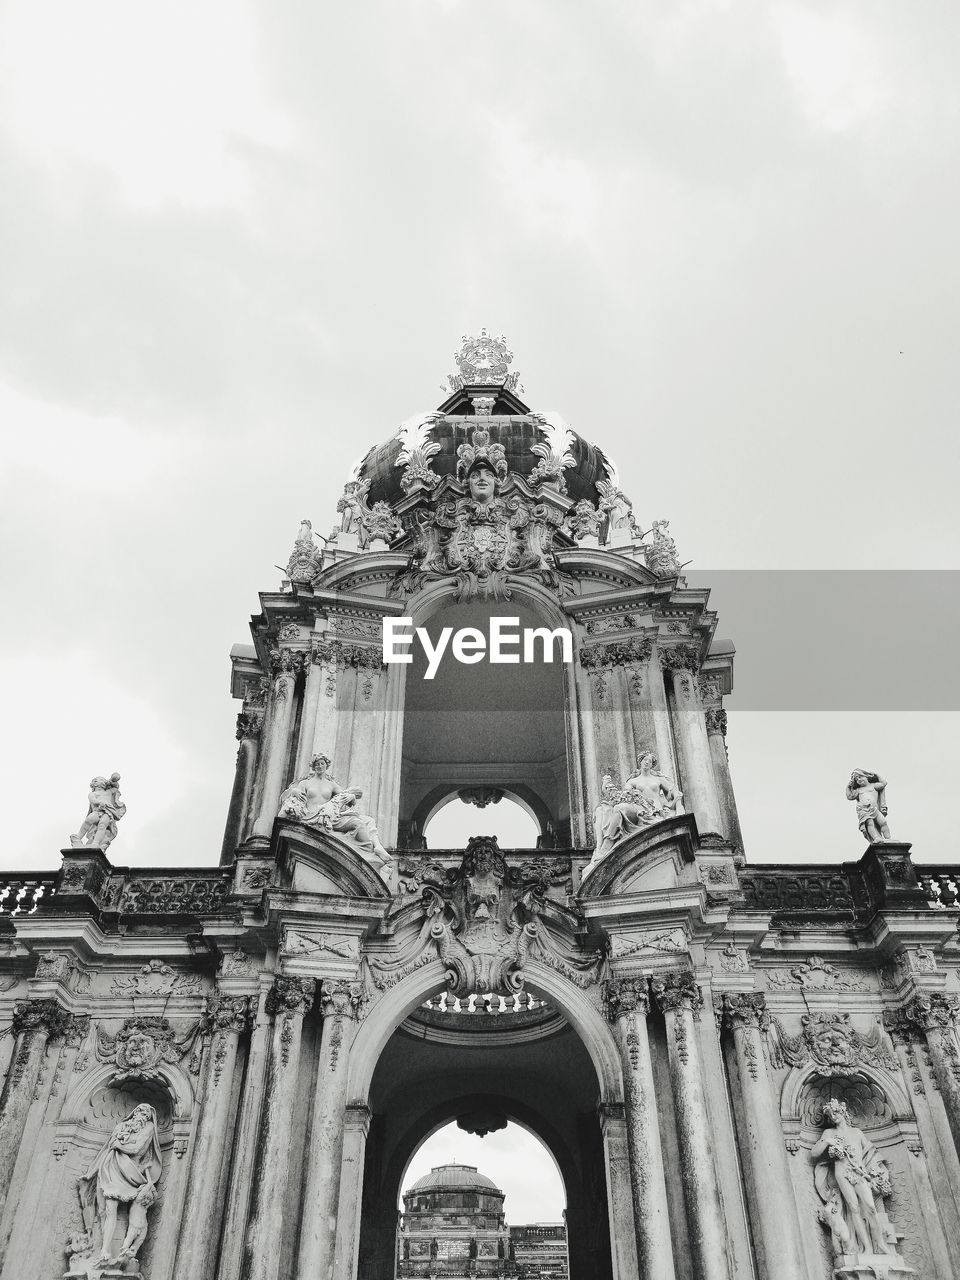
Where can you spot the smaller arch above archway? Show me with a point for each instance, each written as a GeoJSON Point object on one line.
{"type": "Point", "coordinates": [451, 816]}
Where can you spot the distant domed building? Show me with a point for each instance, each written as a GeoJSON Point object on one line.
{"type": "Point", "coordinates": [453, 1215]}
{"type": "Point", "coordinates": [453, 1225]}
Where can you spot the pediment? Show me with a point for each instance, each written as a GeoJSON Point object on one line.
{"type": "Point", "coordinates": [315, 861]}
{"type": "Point", "coordinates": [652, 858]}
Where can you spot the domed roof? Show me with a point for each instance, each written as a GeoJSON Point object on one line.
{"type": "Point", "coordinates": [483, 395]}
{"type": "Point", "coordinates": [447, 1177]}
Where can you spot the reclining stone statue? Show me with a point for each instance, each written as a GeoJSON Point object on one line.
{"type": "Point", "coordinates": [318, 801]}
{"type": "Point", "coordinates": [646, 797]}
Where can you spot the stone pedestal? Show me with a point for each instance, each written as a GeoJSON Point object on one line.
{"type": "Point", "coordinates": [90, 1269]}
{"type": "Point", "coordinates": [872, 1266]}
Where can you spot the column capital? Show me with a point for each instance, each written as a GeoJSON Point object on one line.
{"type": "Point", "coordinates": [226, 1013]}
{"type": "Point", "coordinates": [341, 999]}
{"type": "Point", "coordinates": [285, 661]}
{"type": "Point", "coordinates": [745, 1009]}
{"type": "Point", "coordinates": [608, 1111]}
{"type": "Point", "coordinates": [249, 724]}
{"type": "Point", "coordinates": [623, 996]}
{"type": "Point", "coordinates": [929, 1011]}
{"type": "Point", "coordinates": [679, 657]}
{"type": "Point", "coordinates": [716, 720]}
{"type": "Point", "coordinates": [357, 1115]}
{"type": "Point", "coordinates": [676, 990]}
{"type": "Point", "coordinates": [31, 1015]}
{"type": "Point", "coordinates": [290, 996]}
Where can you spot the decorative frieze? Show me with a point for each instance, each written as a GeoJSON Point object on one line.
{"type": "Point", "coordinates": [616, 653]}
{"type": "Point", "coordinates": [155, 978]}
{"type": "Point", "coordinates": [173, 895]}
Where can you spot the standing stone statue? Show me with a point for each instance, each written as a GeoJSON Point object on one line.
{"type": "Point", "coordinates": [125, 1171]}
{"type": "Point", "coordinates": [105, 810]}
{"type": "Point", "coordinates": [661, 554]}
{"type": "Point", "coordinates": [852, 1182]}
{"type": "Point", "coordinates": [318, 801]}
{"type": "Point", "coordinates": [869, 790]}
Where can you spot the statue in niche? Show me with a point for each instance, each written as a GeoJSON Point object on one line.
{"type": "Point", "coordinates": [318, 801]}
{"type": "Point", "coordinates": [869, 791]}
{"type": "Point", "coordinates": [660, 792]}
{"type": "Point", "coordinates": [852, 1182]}
{"type": "Point", "coordinates": [105, 810]}
{"type": "Point", "coordinates": [125, 1171]}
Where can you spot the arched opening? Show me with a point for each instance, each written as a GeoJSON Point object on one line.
{"type": "Point", "coordinates": [495, 813]}
{"type": "Point", "coordinates": [490, 1198]}
{"type": "Point", "coordinates": [482, 1066]}
{"type": "Point", "coordinates": [481, 726]}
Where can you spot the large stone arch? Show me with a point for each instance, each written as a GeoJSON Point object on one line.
{"type": "Point", "coordinates": [582, 1013]}
{"type": "Point", "coordinates": [446, 1083]}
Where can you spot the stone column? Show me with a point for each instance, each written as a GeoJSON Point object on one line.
{"type": "Point", "coordinates": [627, 1003]}
{"type": "Point", "coordinates": [339, 1003]}
{"type": "Point", "coordinates": [716, 722]}
{"type": "Point", "coordinates": [679, 997]}
{"type": "Point", "coordinates": [356, 1126]}
{"type": "Point", "coordinates": [249, 726]}
{"type": "Point", "coordinates": [288, 1001]}
{"type": "Point", "coordinates": [225, 1020]}
{"type": "Point", "coordinates": [699, 784]}
{"type": "Point", "coordinates": [312, 693]}
{"type": "Point", "coordinates": [777, 1225]}
{"type": "Point", "coordinates": [34, 1023]}
{"type": "Point", "coordinates": [660, 711]}
{"type": "Point", "coordinates": [285, 665]}
{"type": "Point", "coordinates": [935, 1016]}
{"type": "Point", "coordinates": [616, 1158]}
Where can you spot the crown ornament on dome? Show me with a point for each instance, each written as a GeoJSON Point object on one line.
{"type": "Point", "coordinates": [483, 362]}
{"type": "Point", "coordinates": [480, 450]}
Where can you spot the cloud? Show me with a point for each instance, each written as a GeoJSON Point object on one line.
{"type": "Point", "coordinates": [165, 98]}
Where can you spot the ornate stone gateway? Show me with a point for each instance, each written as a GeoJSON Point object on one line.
{"type": "Point", "coordinates": [744, 1071]}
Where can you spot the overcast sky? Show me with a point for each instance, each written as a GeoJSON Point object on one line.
{"type": "Point", "coordinates": [239, 245]}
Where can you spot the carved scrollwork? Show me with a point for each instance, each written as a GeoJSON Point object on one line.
{"type": "Point", "coordinates": [142, 1046]}
{"type": "Point", "coordinates": [484, 919]}
{"type": "Point", "coordinates": [745, 1009]}
{"type": "Point", "coordinates": [829, 1043]}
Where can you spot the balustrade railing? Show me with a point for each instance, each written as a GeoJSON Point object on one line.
{"type": "Point", "coordinates": [22, 894]}
{"type": "Point", "coordinates": [941, 885]}
{"type": "Point", "coordinates": [485, 1003]}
